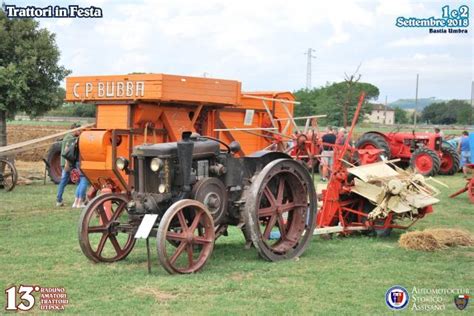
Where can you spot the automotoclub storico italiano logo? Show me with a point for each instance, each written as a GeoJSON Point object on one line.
{"type": "Point", "coordinates": [461, 301]}
{"type": "Point", "coordinates": [397, 297]}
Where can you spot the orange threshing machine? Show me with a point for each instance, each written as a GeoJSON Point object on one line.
{"type": "Point", "coordinates": [155, 108]}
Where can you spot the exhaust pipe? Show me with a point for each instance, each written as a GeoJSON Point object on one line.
{"type": "Point", "coordinates": [185, 158]}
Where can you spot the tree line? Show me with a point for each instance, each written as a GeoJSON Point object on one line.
{"type": "Point", "coordinates": [448, 112]}
{"type": "Point", "coordinates": [336, 100]}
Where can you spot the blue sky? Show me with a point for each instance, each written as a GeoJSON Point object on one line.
{"type": "Point", "coordinates": [262, 43]}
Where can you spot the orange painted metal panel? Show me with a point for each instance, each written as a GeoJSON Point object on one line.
{"type": "Point", "coordinates": [176, 121]}
{"type": "Point", "coordinates": [113, 116]}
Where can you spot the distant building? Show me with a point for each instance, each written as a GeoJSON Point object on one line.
{"type": "Point", "coordinates": [381, 114]}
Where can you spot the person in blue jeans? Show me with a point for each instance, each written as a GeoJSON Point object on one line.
{"type": "Point", "coordinates": [464, 150]}
{"type": "Point", "coordinates": [81, 190]}
{"type": "Point", "coordinates": [65, 165]}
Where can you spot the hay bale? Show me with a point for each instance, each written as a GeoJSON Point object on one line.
{"type": "Point", "coordinates": [436, 239]}
{"type": "Point", "coordinates": [452, 237]}
{"type": "Point", "coordinates": [419, 241]}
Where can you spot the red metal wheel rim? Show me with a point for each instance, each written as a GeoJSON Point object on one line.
{"type": "Point", "coordinates": [447, 163]}
{"type": "Point", "coordinates": [282, 205]}
{"type": "Point", "coordinates": [424, 163]}
{"type": "Point", "coordinates": [105, 233]}
{"type": "Point", "coordinates": [185, 237]}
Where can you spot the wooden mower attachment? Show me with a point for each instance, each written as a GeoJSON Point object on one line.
{"type": "Point", "coordinates": [371, 197]}
{"type": "Point", "coordinates": [469, 188]}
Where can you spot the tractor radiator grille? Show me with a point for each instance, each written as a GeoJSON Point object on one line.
{"type": "Point", "coordinates": [150, 178]}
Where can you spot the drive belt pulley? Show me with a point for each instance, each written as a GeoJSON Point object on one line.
{"type": "Point", "coordinates": [213, 194]}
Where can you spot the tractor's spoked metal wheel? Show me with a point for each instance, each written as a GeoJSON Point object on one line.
{"type": "Point", "coordinates": [280, 210]}
{"type": "Point", "coordinates": [105, 231]}
{"type": "Point", "coordinates": [8, 175]}
{"type": "Point", "coordinates": [189, 223]}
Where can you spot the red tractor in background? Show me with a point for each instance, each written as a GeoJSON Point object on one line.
{"type": "Point", "coordinates": [424, 152]}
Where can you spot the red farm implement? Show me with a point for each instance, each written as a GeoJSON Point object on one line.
{"type": "Point", "coordinates": [371, 197]}
{"type": "Point", "coordinates": [469, 188]}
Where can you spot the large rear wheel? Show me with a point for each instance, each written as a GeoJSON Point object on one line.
{"type": "Point", "coordinates": [450, 161]}
{"type": "Point", "coordinates": [282, 201]}
{"type": "Point", "coordinates": [53, 157]}
{"type": "Point", "coordinates": [374, 141]}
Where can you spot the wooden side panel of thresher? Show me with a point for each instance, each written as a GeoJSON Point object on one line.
{"type": "Point", "coordinates": [204, 90]}
{"type": "Point", "coordinates": [153, 87]}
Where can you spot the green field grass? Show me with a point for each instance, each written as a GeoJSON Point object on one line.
{"type": "Point", "coordinates": [342, 276]}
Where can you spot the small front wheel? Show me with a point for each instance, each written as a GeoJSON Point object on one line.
{"type": "Point", "coordinates": [105, 231]}
{"type": "Point", "coordinates": [185, 237]}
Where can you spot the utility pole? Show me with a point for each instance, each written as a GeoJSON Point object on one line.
{"type": "Point", "coordinates": [308, 67]}
{"type": "Point", "coordinates": [416, 100]}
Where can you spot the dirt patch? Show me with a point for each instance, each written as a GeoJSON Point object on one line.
{"type": "Point", "coordinates": [29, 170]}
{"type": "Point", "coordinates": [159, 296]}
{"type": "Point", "coordinates": [21, 133]}
{"type": "Point", "coordinates": [240, 276]}
{"type": "Point", "coordinates": [436, 239]}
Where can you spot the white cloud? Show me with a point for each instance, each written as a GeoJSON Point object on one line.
{"type": "Point", "coordinates": [429, 66]}
{"type": "Point", "coordinates": [430, 40]}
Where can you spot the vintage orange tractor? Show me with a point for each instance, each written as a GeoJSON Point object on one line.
{"type": "Point", "coordinates": [424, 152]}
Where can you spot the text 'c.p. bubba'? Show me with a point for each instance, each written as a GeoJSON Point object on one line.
{"type": "Point", "coordinates": [109, 89]}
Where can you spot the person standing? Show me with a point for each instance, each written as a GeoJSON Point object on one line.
{"type": "Point", "coordinates": [341, 136]}
{"type": "Point", "coordinates": [438, 132]}
{"type": "Point", "coordinates": [68, 140]}
{"type": "Point", "coordinates": [464, 150]}
{"type": "Point", "coordinates": [327, 154]}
